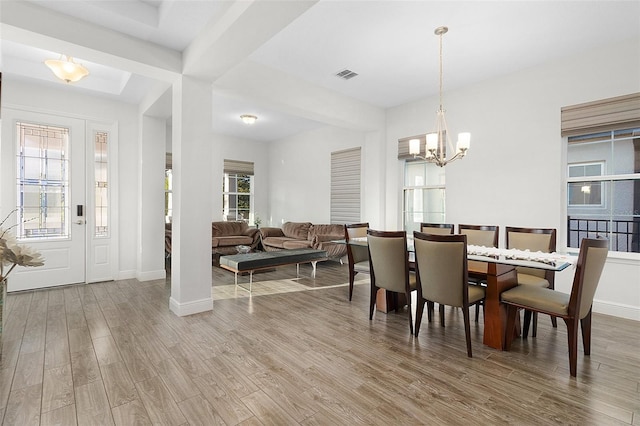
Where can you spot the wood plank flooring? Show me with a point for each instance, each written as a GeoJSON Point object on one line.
{"type": "Point", "coordinates": [113, 353]}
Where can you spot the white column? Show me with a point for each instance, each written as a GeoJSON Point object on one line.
{"type": "Point", "coordinates": [151, 202]}
{"type": "Point", "coordinates": [192, 204]}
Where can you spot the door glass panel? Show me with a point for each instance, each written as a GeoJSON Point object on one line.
{"type": "Point", "coordinates": [43, 181]}
{"type": "Point", "coordinates": [101, 185]}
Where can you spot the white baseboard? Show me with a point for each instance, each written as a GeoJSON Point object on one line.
{"type": "Point", "coordinates": [617, 310]}
{"type": "Point", "coordinates": [126, 275]}
{"type": "Point", "coordinates": [190, 308]}
{"type": "Point", "coordinates": [151, 275]}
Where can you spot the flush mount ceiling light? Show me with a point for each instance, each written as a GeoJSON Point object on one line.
{"type": "Point", "coordinates": [248, 119]}
{"type": "Point", "coordinates": [439, 141]}
{"type": "Point", "coordinates": [67, 69]}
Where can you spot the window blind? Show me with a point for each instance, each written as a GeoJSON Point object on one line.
{"type": "Point", "coordinates": [238, 167]}
{"type": "Point", "coordinates": [617, 113]}
{"type": "Point", "coordinates": [345, 186]}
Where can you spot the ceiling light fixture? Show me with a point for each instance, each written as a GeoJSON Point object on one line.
{"type": "Point", "coordinates": [248, 119]}
{"type": "Point", "coordinates": [438, 142]}
{"type": "Point", "coordinates": [67, 69]}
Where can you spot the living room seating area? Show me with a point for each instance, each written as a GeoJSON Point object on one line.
{"type": "Point", "coordinates": [295, 235]}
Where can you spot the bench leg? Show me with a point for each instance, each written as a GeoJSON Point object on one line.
{"type": "Point", "coordinates": [313, 265]}
{"type": "Point", "coordinates": [250, 280]}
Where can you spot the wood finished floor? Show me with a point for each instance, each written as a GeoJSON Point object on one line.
{"type": "Point", "coordinates": [113, 353]}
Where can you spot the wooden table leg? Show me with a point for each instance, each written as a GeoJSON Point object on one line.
{"type": "Point", "coordinates": [499, 279]}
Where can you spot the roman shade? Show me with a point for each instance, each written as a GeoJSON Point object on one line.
{"type": "Point", "coordinates": [238, 167]}
{"type": "Point", "coordinates": [621, 112]}
{"type": "Point", "coordinates": [345, 186]}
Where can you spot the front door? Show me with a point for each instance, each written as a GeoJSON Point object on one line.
{"type": "Point", "coordinates": [43, 178]}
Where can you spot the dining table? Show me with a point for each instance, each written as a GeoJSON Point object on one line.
{"type": "Point", "coordinates": [497, 268]}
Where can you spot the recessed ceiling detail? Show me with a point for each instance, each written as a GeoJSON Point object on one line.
{"type": "Point", "coordinates": [346, 74]}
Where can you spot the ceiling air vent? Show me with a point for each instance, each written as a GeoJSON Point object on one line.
{"type": "Point", "coordinates": [346, 74]}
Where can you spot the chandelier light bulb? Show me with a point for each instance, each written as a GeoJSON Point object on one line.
{"type": "Point", "coordinates": [248, 119]}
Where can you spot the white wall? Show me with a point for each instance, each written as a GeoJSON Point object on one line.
{"type": "Point", "coordinates": [75, 104]}
{"type": "Point", "coordinates": [515, 169]}
{"type": "Point", "coordinates": [300, 174]}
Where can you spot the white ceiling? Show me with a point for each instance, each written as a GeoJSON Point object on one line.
{"type": "Point", "coordinates": [390, 44]}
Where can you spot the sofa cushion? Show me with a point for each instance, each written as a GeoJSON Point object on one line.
{"type": "Point", "coordinates": [221, 229]}
{"type": "Point", "coordinates": [232, 240]}
{"type": "Point", "coordinates": [328, 232]}
{"type": "Point", "coordinates": [296, 230]}
{"type": "Point", "coordinates": [296, 244]}
{"type": "Point", "coordinates": [277, 242]}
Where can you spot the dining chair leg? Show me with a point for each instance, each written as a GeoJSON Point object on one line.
{"type": "Point", "coordinates": [526, 324]}
{"type": "Point", "coordinates": [512, 312]}
{"type": "Point", "coordinates": [534, 331]}
{"type": "Point", "coordinates": [585, 325]}
{"type": "Point", "coordinates": [372, 303]}
{"type": "Point", "coordinates": [572, 336]}
{"type": "Point", "coordinates": [467, 329]}
{"type": "Point", "coordinates": [442, 315]}
{"type": "Point", "coordinates": [554, 322]}
{"type": "Point", "coordinates": [419, 309]}
{"type": "Point", "coordinates": [430, 310]}
{"type": "Point", "coordinates": [408, 296]}
{"type": "Point", "coordinates": [352, 276]}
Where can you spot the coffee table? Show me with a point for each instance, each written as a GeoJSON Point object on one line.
{"type": "Point", "coordinates": [251, 262]}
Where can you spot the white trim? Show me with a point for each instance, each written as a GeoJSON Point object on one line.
{"type": "Point", "coordinates": [190, 308]}
{"type": "Point", "coordinates": [126, 275]}
{"type": "Point", "coordinates": [617, 310]}
{"type": "Point", "coordinates": [151, 275]}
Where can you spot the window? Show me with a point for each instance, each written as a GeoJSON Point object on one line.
{"type": "Point", "coordinates": [584, 193]}
{"type": "Point", "coordinates": [237, 191]}
{"type": "Point", "coordinates": [345, 186]}
{"type": "Point", "coordinates": [43, 181]}
{"type": "Point", "coordinates": [603, 188]}
{"type": "Point", "coordinates": [423, 195]}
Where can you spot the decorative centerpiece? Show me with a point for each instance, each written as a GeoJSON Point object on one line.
{"type": "Point", "coordinates": [243, 249]}
{"type": "Point", "coordinates": [257, 221]}
{"type": "Point", "coordinates": [11, 255]}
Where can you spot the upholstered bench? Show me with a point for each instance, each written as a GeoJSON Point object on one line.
{"type": "Point", "coordinates": [251, 262]}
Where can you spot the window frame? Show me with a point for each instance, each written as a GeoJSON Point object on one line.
{"type": "Point", "coordinates": [587, 179]}
{"type": "Point", "coordinates": [607, 182]}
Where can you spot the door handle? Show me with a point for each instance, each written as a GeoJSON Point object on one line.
{"type": "Point", "coordinates": [80, 222]}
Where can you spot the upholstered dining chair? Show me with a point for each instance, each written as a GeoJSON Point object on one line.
{"type": "Point", "coordinates": [389, 267]}
{"type": "Point", "coordinates": [441, 267]}
{"type": "Point", "coordinates": [358, 256]}
{"type": "Point", "coordinates": [572, 308]}
{"type": "Point", "coordinates": [437, 228]}
{"type": "Point", "coordinates": [479, 235]}
{"type": "Point", "coordinates": [533, 239]}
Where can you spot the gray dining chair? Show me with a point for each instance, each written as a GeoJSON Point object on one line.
{"type": "Point", "coordinates": [389, 267]}
{"type": "Point", "coordinates": [437, 228]}
{"type": "Point", "coordinates": [441, 267]}
{"type": "Point", "coordinates": [479, 235]}
{"type": "Point", "coordinates": [357, 255]}
{"type": "Point", "coordinates": [572, 308]}
{"type": "Point", "coordinates": [533, 239]}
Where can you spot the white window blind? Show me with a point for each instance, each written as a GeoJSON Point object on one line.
{"type": "Point", "coordinates": [345, 186]}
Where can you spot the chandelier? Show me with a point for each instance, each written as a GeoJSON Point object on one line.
{"type": "Point", "coordinates": [67, 69]}
{"type": "Point", "coordinates": [438, 142]}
